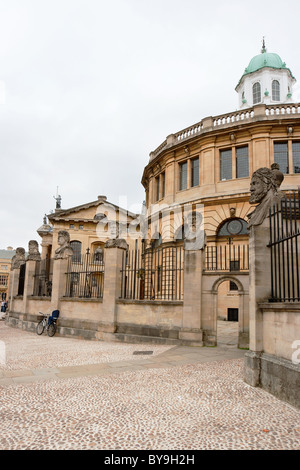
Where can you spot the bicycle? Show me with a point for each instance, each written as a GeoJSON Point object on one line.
{"type": "Point", "coordinates": [44, 323]}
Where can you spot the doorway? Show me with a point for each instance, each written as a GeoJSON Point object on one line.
{"type": "Point", "coordinates": [228, 313]}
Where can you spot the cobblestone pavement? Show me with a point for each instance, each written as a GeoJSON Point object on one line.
{"type": "Point", "coordinates": [65, 393]}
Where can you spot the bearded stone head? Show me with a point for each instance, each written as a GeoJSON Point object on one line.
{"type": "Point", "coordinates": [261, 182]}
{"type": "Point", "coordinates": [264, 191]}
{"type": "Point", "coordinates": [33, 248]}
{"type": "Point", "coordinates": [63, 237]}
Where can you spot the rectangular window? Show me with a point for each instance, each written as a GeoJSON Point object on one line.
{"type": "Point", "coordinates": [157, 188]}
{"type": "Point", "coordinates": [242, 162]}
{"type": "Point", "coordinates": [195, 172]}
{"type": "Point", "coordinates": [163, 183]}
{"type": "Point", "coordinates": [225, 164]}
{"type": "Point", "coordinates": [281, 156]}
{"type": "Point", "coordinates": [234, 265]}
{"type": "Point", "coordinates": [296, 157]}
{"type": "Point", "coordinates": [183, 176]}
{"type": "Point", "coordinates": [4, 280]}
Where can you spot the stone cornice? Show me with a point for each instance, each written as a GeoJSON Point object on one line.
{"type": "Point", "coordinates": [234, 120]}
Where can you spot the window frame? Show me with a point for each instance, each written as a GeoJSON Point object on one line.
{"type": "Point", "coordinates": [182, 186]}
{"type": "Point", "coordinates": [222, 153]}
{"type": "Point", "coordinates": [256, 93]}
{"type": "Point", "coordinates": [195, 172]}
{"type": "Point", "coordinates": [293, 156]}
{"type": "Point", "coordinates": [239, 157]}
{"type": "Point", "coordinates": [163, 184]}
{"type": "Point", "coordinates": [275, 91]}
{"type": "Point", "coordinates": [75, 244]}
{"type": "Point", "coordinates": [281, 142]}
{"type": "Point", "coordinates": [156, 188]}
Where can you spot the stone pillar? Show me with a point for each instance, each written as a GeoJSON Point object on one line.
{"type": "Point", "coordinates": [17, 261]}
{"type": "Point", "coordinates": [207, 122]}
{"type": "Point", "coordinates": [28, 283]}
{"type": "Point", "coordinates": [259, 280]}
{"type": "Point", "coordinates": [59, 281]}
{"type": "Point", "coordinates": [259, 291]}
{"type": "Point", "coordinates": [113, 254]}
{"type": "Point", "coordinates": [13, 286]}
{"type": "Point", "coordinates": [192, 296]}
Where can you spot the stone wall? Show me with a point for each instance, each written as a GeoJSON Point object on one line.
{"type": "Point", "coordinates": [272, 362]}
{"type": "Point", "coordinates": [111, 318]}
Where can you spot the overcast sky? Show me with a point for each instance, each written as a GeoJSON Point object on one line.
{"type": "Point", "coordinates": [89, 88]}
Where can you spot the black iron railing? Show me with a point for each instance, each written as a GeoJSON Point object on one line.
{"type": "Point", "coordinates": [43, 278]}
{"type": "Point", "coordinates": [285, 248]}
{"type": "Point", "coordinates": [153, 274]}
{"type": "Point", "coordinates": [230, 258]}
{"type": "Point", "coordinates": [85, 276]}
{"type": "Point", "coordinates": [22, 279]}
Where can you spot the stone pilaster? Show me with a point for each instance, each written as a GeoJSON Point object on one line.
{"type": "Point", "coordinates": [259, 290]}
{"type": "Point", "coordinates": [59, 281]}
{"type": "Point", "coordinates": [192, 296]}
{"type": "Point", "coordinates": [29, 282]}
{"type": "Point", "coordinates": [259, 280]}
{"type": "Point", "coordinates": [113, 254]}
{"type": "Point", "coordinates": [13, 286]}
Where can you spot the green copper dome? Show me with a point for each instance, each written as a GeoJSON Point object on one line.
{"type": "Point", "coordinates": [265, 59]}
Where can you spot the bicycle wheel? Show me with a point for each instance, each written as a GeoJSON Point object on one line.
{"type": "Point", "coordinates": [51, 329]}
{"type": "Point", "coordinates": [40, 327]}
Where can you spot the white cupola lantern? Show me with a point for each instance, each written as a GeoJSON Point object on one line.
{"type": "Point", "coordinates": [266, 80]}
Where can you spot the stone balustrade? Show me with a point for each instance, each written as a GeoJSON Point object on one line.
{"type": "Point", "coordinates": [260, 111]}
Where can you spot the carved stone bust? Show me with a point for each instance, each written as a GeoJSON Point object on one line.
{"type": "Point", "coordinates": [116, 243]}
{"type": "Point", "coordinates": [33, 251]}
{"type": "Point", "coordinates": [18, 259]}
{"type": "Point", "coordinates": [98, 254]}
{"type": "Point", "coordinates": [264, 189]}
{"type": "Point", "coordinates": [195, 238]}
{"type": "Point", "coordinates": [64, 250]}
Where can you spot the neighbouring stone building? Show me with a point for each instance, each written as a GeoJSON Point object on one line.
{"type": "Point", "coordinates": [89, 225]}
{"type": "Point", "coordinates": [5, 265]}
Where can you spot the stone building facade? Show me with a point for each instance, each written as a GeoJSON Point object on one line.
{"type": "Point", "coordinates": [207, 167]}
{"type": "Point", "coordinates": [169, 273]}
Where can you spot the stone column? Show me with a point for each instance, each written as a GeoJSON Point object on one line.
{"type": "Point", "coordinates": [113, 254]}
{"type": "Point", "coordinates": [13, 286]}
{"type": "Point", "coordinates": [29, 282]}
{"type": "Point", "coordinates": [17, 261]}
{"type": "Point", "coordinates": [59, 281]}
{"type": "Point", "coordinates": [265, 192]}
{"type": "Point", "coordinates": [259, 291]}
{"type": "Point", "coordinates": [192, 296]}
{"type": "Point", "coordinates": [259, 280]}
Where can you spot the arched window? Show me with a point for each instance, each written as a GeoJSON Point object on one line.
{"type": "Point", "coordinates": [233, 227]}
{"type": "Point", "coordinates": [256, 93]}
{"type": "Point", "coordinates": [76, 251]}
{"type": "Point", "coordinates": [156, 240]}
{"type": "Point", "coordinates": [275, 90]}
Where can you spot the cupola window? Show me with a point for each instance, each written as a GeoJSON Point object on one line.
{"type": "Point", "coordinates": [256, 93]}
{"type": "Point", "coordinates": [275, 90]}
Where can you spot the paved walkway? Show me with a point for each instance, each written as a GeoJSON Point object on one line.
{"type": "Point", "coordinates": [123, 357]}
{"type": "Point", "coordinates": [65, 393]}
